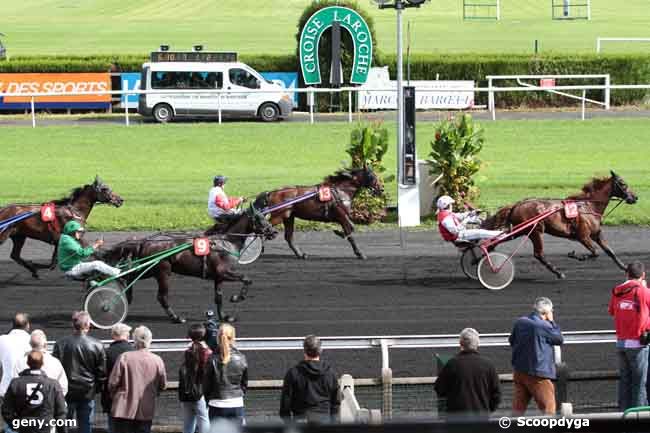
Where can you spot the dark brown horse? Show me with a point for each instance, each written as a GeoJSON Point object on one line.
{"type": "Point", "coordinates": [343, 186]}
{"type": "Point", "coordinates": [77, 205]}
{"type": "Point", "coordinates": [585, 228]}
{"type": "Point", "coordinates": [217, 266]}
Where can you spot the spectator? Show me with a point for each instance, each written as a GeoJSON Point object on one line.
{"type": "Point", "coordinates": [310, 391]}
{"type": "Point", "coordinates": [630, 304]}
{"type": "Point", "coordinates": [84, 361]}
{"type": "Point", "coordinates": [51, 366]}
{"type": "Point", "coordinates": [226, 380]}
{"type": "Point", "coordinates": [120, 335]}
{"type": "Point", "coordinates": [533, 361]}
{"type": "Point", "coordinates": [12, 348]}
{"type": "Point", "coordinates": [190, 377]}
{"type": "Point", "coordinates": [469, 382]}
{"type": "Point", "coordinates": [34, 396]}
{"type": "Point", "coordinates": [137, 379]}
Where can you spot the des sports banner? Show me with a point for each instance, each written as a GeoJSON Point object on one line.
{"type": "Point", "coordinates": [50, 83]}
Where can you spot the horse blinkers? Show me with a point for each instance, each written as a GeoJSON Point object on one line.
{"type": "Point", "coordinates": [621, 190]}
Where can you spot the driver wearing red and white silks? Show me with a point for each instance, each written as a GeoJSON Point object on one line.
{"type": "Point", "coordinates": [452, 225]}
{"type": "Point", "coordinates": [220, 206]}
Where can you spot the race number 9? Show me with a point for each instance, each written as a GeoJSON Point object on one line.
{"type": "Point", "coordinates": [201, 246]}
{"type": "Point", "coordinates": [47, 212]}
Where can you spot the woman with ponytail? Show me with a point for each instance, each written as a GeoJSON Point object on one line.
{"type": "Point", "coordinates": [190, 392]}
{"type": "Point", "coordinates": [226, 379]}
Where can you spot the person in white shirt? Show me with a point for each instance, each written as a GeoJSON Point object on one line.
{"type": "Point", "coordinates": [12, 348]}
{"type": "Point", "coordinates": [51, 366]}
{"type": "Point", "coordinates": [452, 225]}
{"type": "Point", "coordinates": [221, 207]}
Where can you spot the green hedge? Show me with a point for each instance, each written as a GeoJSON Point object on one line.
{"type": "Point", "coordinates": [624, 69]}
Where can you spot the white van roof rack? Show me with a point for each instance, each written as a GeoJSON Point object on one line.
{"type": "Point", "coordinates": [193, 56]}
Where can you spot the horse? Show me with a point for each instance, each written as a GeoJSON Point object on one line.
{"type": "Point", "coordinates": [216, 266]}
{"type": "Point", "coordinates": [585, 228]}
{"type": "Point", "coordinates": [77, 205]}
{"type": "Point", "coordinates": [343, 185]}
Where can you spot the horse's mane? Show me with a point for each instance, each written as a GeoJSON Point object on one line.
{"type": "Point", "coordinates": [74, 195]}
{"type": "Point", "coordinates": [342, 175]}
{"type": "Point", "coordinates": [595, 184]}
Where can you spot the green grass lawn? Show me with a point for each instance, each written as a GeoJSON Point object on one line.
{"type": "Point", "coordinates": [164, 171]}
{"type": "Point", "coordinates": [253, 26]}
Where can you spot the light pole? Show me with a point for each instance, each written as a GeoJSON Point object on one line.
{"type": "Point", "coordinates": [408, 200]}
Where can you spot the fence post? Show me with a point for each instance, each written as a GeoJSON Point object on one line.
{"type": "Point", "coordinates": [219, 106]}
{"type": "Point", "coordinates": [608, 91]}
{"type": "Point", "coordinates": [597, 45]}
{"type": "Point", "coordinates": [349, 106]}
{"type": "Point", "coordinates": [491, 99]}
{"type": "Point", "coordinates": [33, 114]}
{"type": "Point", "coordinates": [126, 109]}
{"type": "Point", "coordinates": [561, 392]}
{"type": "Point", "coordinates": [311, 106]}
{"type": "Point", "coordinates": [387, 392]}
{"type": "Point", "coordinates": [584, 103]}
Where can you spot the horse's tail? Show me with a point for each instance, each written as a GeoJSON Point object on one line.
{"type": "Point", "coordinates": [500, 219]}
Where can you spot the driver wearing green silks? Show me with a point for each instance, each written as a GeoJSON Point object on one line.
{"type": "Point", "coordinates": [71, 254]}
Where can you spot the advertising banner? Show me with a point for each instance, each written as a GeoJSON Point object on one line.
{"type": "Point", "coordinates": [129, 81]}
{"type": "Point", "coordinates": [45, 83]}
{"type": "Point", "coordinates": [458, 95]}
{"type": "Point", "coordinates": [288, 79]}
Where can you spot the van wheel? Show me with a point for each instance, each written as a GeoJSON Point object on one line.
{"type": "Point", "coordinates": [269, 112]}
{"type": "Point", "coordinates": [163, 113]}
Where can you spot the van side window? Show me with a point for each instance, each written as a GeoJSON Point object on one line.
{"type": "Point", "coordinates": [241, 77]}
{"type": "Point", "coordinates": [214, 80]}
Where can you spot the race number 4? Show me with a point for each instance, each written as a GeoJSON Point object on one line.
{"type": "Point", "coordinates": [201, 246]}
{"type": "Point", "coordinates": [47, 212]}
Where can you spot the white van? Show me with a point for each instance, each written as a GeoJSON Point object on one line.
{"type": "Point", "coordinates": [263, 99]}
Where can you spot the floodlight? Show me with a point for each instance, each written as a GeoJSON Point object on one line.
{"type": "Point", "coordinates": [164, 48]}
{"type": "Point", "coordinates": [197, 48]}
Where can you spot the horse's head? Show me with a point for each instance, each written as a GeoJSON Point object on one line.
{"type": "Point", "coordinates": [368, 179]}
{"type": "Point", "coordinates": [105, 194]}
{"type": "Point", "coordinates": [621, 190]}
{"type": "Point", "coordinates": [258, 224]}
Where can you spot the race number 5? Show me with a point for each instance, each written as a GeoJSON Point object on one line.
{"type": "Point", "coordinates": [34, 395]}
{"type": "Point", "coordinates": [201, 246]}
{"type": "Point", "coordinates": [47, 212]}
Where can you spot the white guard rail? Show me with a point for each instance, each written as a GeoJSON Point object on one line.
{"type": "Point", "coordinates": [599, 41]}
{"type": "Point", "coordinates": [312, 91]}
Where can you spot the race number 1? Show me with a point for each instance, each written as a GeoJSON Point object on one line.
{"type": "Point", "coordinates": [201, 246]}
{"type": "Point", "coordinates": [47, 212]}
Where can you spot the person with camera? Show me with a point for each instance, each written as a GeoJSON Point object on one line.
{"type": "Point", "coordinates": [630, 306]}
{"type": "Point", "coordinates": [190, 382]}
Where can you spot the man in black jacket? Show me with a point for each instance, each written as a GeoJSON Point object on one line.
{"type": "Point", "coordinates": [469, 382]}
{"type": "Point", "coordinates": [33, 401]}
{"type": "Point", "coordinates": [120, 335]}
{"type": "Point", "coordinates": [310, 391]}
{"type": "Point", "coordinates": [84, 361]}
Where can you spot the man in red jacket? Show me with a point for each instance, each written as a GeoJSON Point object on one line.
{"type": "Point", "coordinates": [630, 306]}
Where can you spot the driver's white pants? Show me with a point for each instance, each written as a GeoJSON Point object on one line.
{"type": "Point", "coordinates": [87, 268]}
{"type": "Point", "coordinates": [477, 234]}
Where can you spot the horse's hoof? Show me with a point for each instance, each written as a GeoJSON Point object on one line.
{"type": "Point", "coordinates": [35, 276]}
{"type": "Point", "coordinates": [302, 256]}
{"type": "Point", "coordinates": [229, 319]}
{"type": "Point", "coordinates": [247, 282]}
{"type": "Point", "coordinates": [178, 320]}
{"type": "Point", "coordinates": [362, 256]}
{"type": "Point", "coordinates": [339, 233]}
{"type": "Point", "coordinates": [561, 276]}
{"type": "Point", "coordinates": [237, 298]}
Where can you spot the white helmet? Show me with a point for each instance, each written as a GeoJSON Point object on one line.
{"type": "Point", "coordinates": [444, 202]}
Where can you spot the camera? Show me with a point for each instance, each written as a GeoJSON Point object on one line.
{"type": "Point", "coordinates": [211, 330]}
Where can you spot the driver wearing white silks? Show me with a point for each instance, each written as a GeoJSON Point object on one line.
{"type": "Point", "coordinates": [452, 225]}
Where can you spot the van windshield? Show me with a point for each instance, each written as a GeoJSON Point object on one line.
{"type": "Point", "coordinates": [186, 80]}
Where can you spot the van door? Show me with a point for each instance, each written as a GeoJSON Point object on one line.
{"type": "Point", "coordinates": [241, 80]}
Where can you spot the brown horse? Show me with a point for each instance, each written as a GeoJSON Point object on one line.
{"type": "Point", "coordinates": [217, 266]}
{"type": "Point", "coordinates": [343, 186]}
{"type": "Point", "coordinates": [77, 205]}
{"type": "Point", "coordinates": [585, 228]}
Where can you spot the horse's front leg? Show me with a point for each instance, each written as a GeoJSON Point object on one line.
{"type": "Point", "coordinates": [243, 291]}
{"type": "Point", "coordinates": [583, 238]}
{"type": "Point", "coordinates": [538, 251]}
{"type": "Point", "coordinates": [598, 237]}
{"type": "Point", "coordinates": [348, 227]}
{"type": "Point", "coordinates": [162, 274]}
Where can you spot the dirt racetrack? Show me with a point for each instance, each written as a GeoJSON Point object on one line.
{"type": "Point", "coordinates": [418, 289]}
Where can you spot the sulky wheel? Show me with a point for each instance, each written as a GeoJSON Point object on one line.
{"type": "Point", "coordinates": [499, 277]}
{"type": "Point", "coordinates": [469, 261]}
{"type": "Point", "coordinates": [106, 305]}
{"type": "Point", "coordinates": [251, 250]}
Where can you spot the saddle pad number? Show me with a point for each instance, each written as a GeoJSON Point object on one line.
{"type": "Point", "coordinates": [47, 212]}
{"type": "Point", "coordinates": [570, 209]}
{"type": "Point", "coordinates": [201, 247]}
{"type": "Point", "coordinates": [324, 193]}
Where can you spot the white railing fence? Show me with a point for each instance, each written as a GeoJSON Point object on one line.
{"type": "Point", "coordinates": [491, 90]}
{"type": "Point", "coordinates": [599, 41]}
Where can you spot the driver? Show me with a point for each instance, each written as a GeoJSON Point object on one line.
{"type": "Point", "coordinates": [220, 206]}
{"type": "Point", "coordinates": [452, 225]}
{"type": "Point", "coordinates": [71, 254]}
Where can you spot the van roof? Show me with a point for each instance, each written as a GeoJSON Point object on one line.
{"type": "Point", "coordinates": [193, 66]}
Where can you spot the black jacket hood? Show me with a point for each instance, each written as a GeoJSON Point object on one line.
{"type": "Point", "coordinates": [314, 368]}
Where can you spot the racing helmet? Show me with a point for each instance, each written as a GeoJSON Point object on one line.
{"type": "Point", "coordinates": [444, 202]}
{"type": "Point", "coordinates": [219, 180]}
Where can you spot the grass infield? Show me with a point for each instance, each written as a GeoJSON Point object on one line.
{"type": "Point", "coordinates": [164, 171]}
{"type": "Point", "coordinates": [37, 27]}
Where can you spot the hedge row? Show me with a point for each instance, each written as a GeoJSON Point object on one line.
{"type": "Point", "coordinates": [624, 69]}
